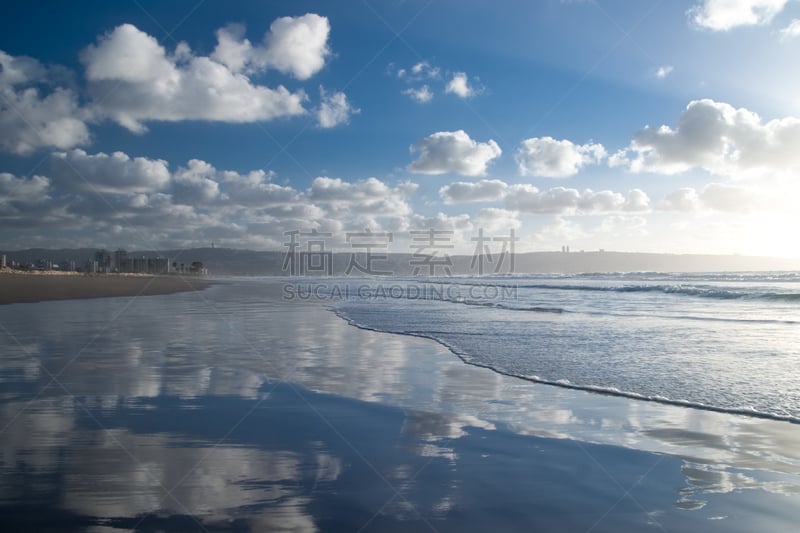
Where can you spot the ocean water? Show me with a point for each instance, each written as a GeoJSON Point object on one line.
{"type": "Point", "coordinates": [721, 341]}
{"type": "Point", "coordinates": [236, 409]}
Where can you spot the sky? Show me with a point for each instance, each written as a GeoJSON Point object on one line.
{"type": "Point", "coordinates": [630, 125]}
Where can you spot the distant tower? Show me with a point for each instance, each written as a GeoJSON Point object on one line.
{"type": "Point", "coordinates": [212, 245]}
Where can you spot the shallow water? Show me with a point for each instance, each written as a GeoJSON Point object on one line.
{"type": "Point", "coordinates": [234, 409]}
{"type": "Point", "coordinates": [728, 342]}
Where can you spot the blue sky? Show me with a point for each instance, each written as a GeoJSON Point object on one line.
{"type": "Point", "coordinates": [645, 125]}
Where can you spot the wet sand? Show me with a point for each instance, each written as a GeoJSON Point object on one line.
{"type": "Point", "coordinates": [26, 288]}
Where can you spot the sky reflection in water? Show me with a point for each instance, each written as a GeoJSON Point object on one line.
{"type": "Point", "coordinates": [232, 409]}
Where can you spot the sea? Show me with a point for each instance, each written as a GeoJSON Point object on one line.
{"type": "Point", "coordinates": [252, 406]}
{"type": "Point", "coordinates": [718, 341]}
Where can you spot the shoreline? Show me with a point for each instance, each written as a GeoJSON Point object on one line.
{"type": "Point", "coordinates": [583, 388]}
{"type": "Point", "coordinates": [32, 288]}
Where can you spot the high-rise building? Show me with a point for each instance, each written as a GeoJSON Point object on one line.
{"type": "Point", "coordinates": [120, 260]}
{"type": "Point", "coordinates": [103, 260]}
{"type": "Point", "coordinates": [3, 261]}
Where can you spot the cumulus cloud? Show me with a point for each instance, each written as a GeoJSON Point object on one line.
{"type": "Point", "coordinates": [334, 109]}
{"type": "Point", "coordinates": [723, 15]}
{"type": "Point", "coordinates": [233, 50]}
{"type": "Point", "coordinates": [134, 80]}
{"type": "Point", "coordinates": [195, 184]}
{"type": "Point", "coordinates": [31, 119]}
{"type": "Point", "coordinates": [18, 193]}
{"type": "Point", "coordinates": [453, 151]}
{"type": "Point", "coordinates": [717, 137]}
{"type": "Point", "coordinates": [297, 46]}
{"type": "Point", "coordinates": [421, 95]}
{"type": "Point", "coordinates": [684, 199]}
{"type": "Point", "coordinates": [459, 86]}
{"type": "Point", "coordinates": [254, 189]}
{"type": "Point", "coordinates": [142, 204]}
{"type": "Point", "coordinates": [201, 183]}
{"type": "Point", "coordinates": [103, 173]}
{"type": "Point", "coordinates": [566, 201]}
{"type": "Point", "coordinates": [477, 191]}
{"type": "Point", "coordinates": [365, 197]}
{"type": "Point", "coordinates": [552, 158]}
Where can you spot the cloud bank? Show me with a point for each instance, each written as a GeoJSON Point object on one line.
{"type": "Point", "coordinates": [718, 138]}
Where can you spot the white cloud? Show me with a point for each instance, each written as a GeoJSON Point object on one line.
{"type": "Point", "coordinates": [233, 49]}
{"type": "Point", "coordinates": [720, 197]}
{"type": "Point", "coordinates": [293, 45]}
{"type": "Point", "coordinates": [792, 30]}
{"type": "Point", "coordinates": [195, 184]}
{"type": "Point", "coordinates": [102, 173]}
{"type": "Point", "coordinates": [459, 85]}
{"type": "Point", "coordinates": [664, 71]}
{"type": "Point", "coordinates": [17, 193]}
{"type": "Point", "coordinates": [255, 190]}
{"type": "Point", "coordinates": [422, 76]}
{"type": "Point", "coordinates": [418, 72]}
{"type": "Point", "coordinates": [366, 197]}
{"type": "Point", "coordinates": [298, 45]}
{"type": "Point", "coordinates": [30, 120]}
{"type": "Point", "coordinates": [723, 15]}
{"type": "Point", "coordinates": [334, 109]}
{"type": "Point", "coordinates": [453, 151]}
{"type": "Point", "coordinates": [716, 137]}
{"type": "Point", "coordinates": [548, 157]}
{"type": "Point", "coordinates": [423, 68]}
{"type": "Point", "coordinates": [729, 198]}
{"type": "Point", "coordinates": [19, 70]}
{"type": "Point", "coordinates": [495, 219]}
{"type": "Point", "coordinates": [422, 95]}
{"type": "Point", "coordinates": [201, 183]}
{"type": "Point", "coordinates": [684, 199]}
{"type": "Point", "coordinates": [478, 191]}
{"type": "Point", "coordinates": [637, 200]}
{"type": "Point", "coordinates": [134, 81]}
{"type": "Point", "coordinates": [566, 201]}
{"type": "Point", "coordinates": [144, 205]}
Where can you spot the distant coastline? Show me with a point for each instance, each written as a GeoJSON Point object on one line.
{"type": "Point", "coordinates": [29, 287]}
{"type": "Point", "coordinates": [236, 262]}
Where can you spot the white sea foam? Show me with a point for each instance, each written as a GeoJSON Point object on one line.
{"type": "Point", "coordinates": [721, 342]}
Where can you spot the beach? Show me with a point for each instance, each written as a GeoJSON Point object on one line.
{"type": "Point", "coordinates": [26, 288]}
{"type": "Point", "coordinates": [236, 409]}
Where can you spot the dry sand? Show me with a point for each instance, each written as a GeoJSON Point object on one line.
{"type": "Point", "coordinates": [20, 288]}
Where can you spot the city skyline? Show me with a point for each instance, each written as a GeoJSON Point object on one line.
{"type": "Point", "coordinates": [638, 127]}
